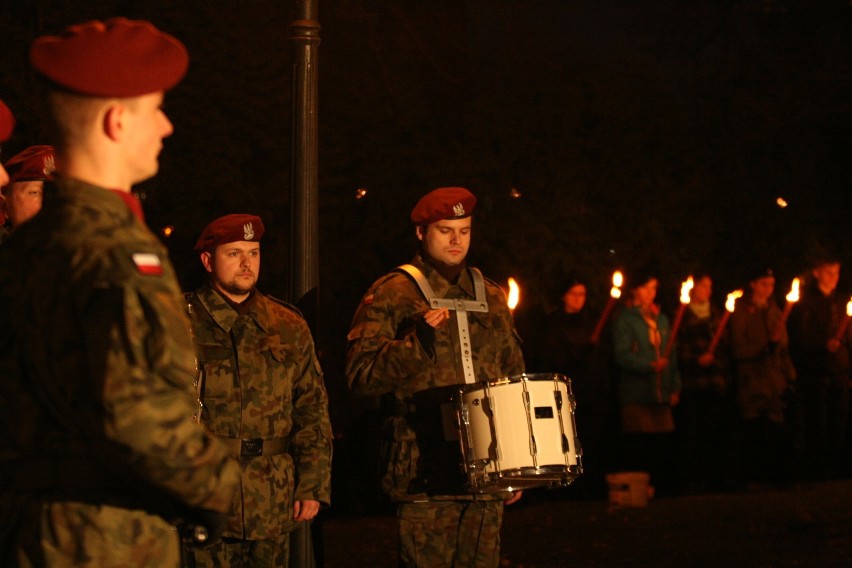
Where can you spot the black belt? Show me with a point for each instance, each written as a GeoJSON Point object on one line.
{"type": "Point", "coordinates": [256, 446]}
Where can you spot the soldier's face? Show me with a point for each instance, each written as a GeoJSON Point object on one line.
{"type": "Point", "coordinates": [23, 201]}
{"type": "Point", "coordinates": [446, 241]}
{"type": "Point", "coordinates": [147, 126]}
{"type": "Point", "coordinates": [234, 267]}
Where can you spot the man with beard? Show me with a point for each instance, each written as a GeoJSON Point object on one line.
{"type": "Point", "coordinates": [262, 396]}
{"type": "Point", "coordinates": [414, 356]}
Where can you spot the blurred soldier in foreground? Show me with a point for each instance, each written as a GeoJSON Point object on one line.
{"type": "Point", "coordinates": [411, 354]}
{"type": "Point", "coordinates": [7, 125]}
{"type": "Point", "coordinates": [98, 449]}
{"type": "Point", "coordinates": [263, 397]}
{"type": "Point", "coordinates": [22, 194]}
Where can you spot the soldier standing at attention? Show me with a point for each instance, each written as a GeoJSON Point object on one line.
{"type": "Point", "coordinates": [401, 348]}
{"type": "Point", "coordinates": [99, 453]}
{"type": "Point", "coordinates": [263, 397]}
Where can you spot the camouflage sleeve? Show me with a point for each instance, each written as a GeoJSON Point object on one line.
{"type": "Point", "coordinates": [311, 434]}
{"type": "Point", "coordinates": [384, 351]}
{"type": "Point", "coordinates": [147, 390]}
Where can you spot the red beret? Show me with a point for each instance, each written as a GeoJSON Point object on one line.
{"type": "Point", "coordinates": [230, 229]}
{"type": "Point", "coordinates": [7, 122]}
{"type": "Point", "coordinates": [443, 203]}
{"type": "Point", "coordinates": [34, 163]}
{"type": "Point", "coordinates": [116, 58]}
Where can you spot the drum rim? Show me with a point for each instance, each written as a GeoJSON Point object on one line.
{"type": "Point", "coordinates": [511, 379]}
{"type": "Point", "coordinates": [525, 478]}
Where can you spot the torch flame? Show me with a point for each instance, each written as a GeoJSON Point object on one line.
{"type": "Point", "coordinates": [793, 296]}
{"type": "Point", "coordinates": [684, 290]}
{"type": "Point", "coordinates": [617, 281]}
{"type": "Point", "coordinates": [849, 309]}
{"type": "Point", "coordinates": [732, 299]}
{"type": "Point", "coordinates": [514, 294]}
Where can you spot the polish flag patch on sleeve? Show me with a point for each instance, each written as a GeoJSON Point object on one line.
{"type": "Point", "coordinates": [148, 263]}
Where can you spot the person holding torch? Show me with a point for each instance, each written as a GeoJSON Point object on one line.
{"type": "Point", "coordinates": [765, 375]}
{"type": "Point", "coordinates": [705, 415]}
{"type": "Point", "coordinates": [819, 344]}
{"type": "Point", "coordinates": [649, 384]}
{"type": "Point", "coordinates": [567, 347]}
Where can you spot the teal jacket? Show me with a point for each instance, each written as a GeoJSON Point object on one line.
{"type": "Point", "coordinates": [634, 353]}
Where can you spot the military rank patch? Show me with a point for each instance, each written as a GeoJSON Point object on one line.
{"type": "Point", "coordinates": [148, 263]}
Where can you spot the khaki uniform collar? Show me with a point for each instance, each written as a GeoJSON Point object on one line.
{"type": "Point", "coordinates": [222, 312]}
{"type": "Point", "coordinates": [439, 284]}
{"type": "Point", "coordinates": [86, 193]}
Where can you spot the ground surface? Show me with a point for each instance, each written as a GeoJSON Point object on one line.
{"type": "Point", "coordinates": [807, 525]}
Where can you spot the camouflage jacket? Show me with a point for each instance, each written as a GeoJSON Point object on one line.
{"type": "Point", "coordinates": [262, 380]}
{"type": "Point", "coordinates": [387, 357]}
{"type": "Point", "coordinates": [96, 369]}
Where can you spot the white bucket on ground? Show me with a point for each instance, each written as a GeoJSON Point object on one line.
{"type": "Point", "coordinates": [629, 488]}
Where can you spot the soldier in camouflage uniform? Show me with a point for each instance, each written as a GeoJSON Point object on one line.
{"type": "Point", "coordinates": [99, 453]}
{"type": "Point", "coordinates": [411, 355]}
{"type": "Point", "coordinates": [263, 396]}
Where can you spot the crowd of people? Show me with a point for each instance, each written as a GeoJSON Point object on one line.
{"type": "Point", "coordinates": [758, 396]}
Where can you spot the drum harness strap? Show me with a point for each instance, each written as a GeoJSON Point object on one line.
{"type": "Point", "coordinates": [461, 307]}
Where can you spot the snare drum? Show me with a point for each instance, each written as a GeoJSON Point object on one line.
{"type": "Point", "coordinates": [519, 432]}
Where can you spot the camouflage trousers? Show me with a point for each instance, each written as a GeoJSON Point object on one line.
{"type": "Point", "coordinates": [235, 553]}
{"type": "Point", "coordinates": [98, 536]}
{"type": "Point", "coordinates": [450, 533]}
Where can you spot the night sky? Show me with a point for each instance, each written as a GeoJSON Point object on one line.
{"type": "Point", "coordinates": [635, 132]}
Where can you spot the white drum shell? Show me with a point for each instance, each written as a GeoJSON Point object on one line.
{"type": "Point", "coordinates": [515, 433]}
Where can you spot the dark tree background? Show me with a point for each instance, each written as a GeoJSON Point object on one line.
{"type": "Point", "coordinates": [633, 132]}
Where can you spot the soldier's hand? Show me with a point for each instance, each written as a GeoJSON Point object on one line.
{"type": "Point", "coordinates": [305, 510]}
{"type": "Point", "coordinates": [514, 497]}
{"type": "Point", "coordinates": [436, 317]}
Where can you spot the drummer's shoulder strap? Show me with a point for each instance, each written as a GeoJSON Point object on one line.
{"type": "Point", "coordinates": [419, 279]}
{"type": "Point", "coordinates": [459, 305]}
{"type": "Point", "coordinates": [479, 304]}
